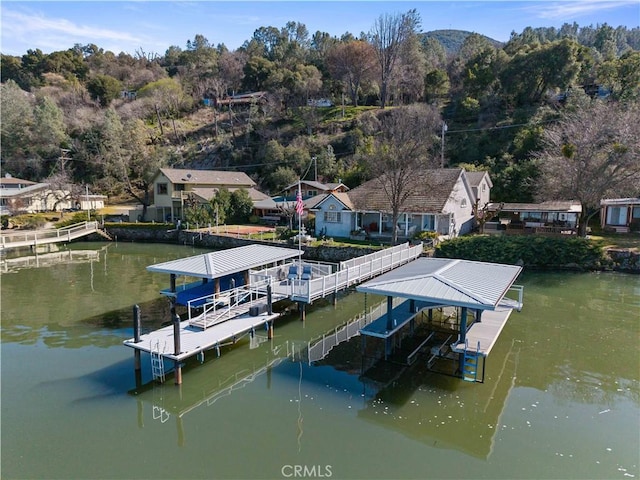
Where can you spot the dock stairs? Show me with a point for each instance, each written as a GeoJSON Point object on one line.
{"type": "Point", "coordinates": [470, 365]}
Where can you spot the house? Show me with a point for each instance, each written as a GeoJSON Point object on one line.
{"type": "Point", "coordinates": [11, 183]}
{"type": "Point", "coordinates": [310, 188]}
{"type": "Point", "coordinates": [481, 186]}
{"type": "Point", "coordinates": [33, 197]}
{"type": "Point", "coordinates": [620, 214]}
{"type": "Point", "coordinates": [551, 217]}
{"type": "Point", "coordinates": [173, 187]}
{"type": "Point", "coordinates": [442, 201]}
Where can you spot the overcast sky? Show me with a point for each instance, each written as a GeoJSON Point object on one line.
{"type": "Point", "coordinates": [153, 26]}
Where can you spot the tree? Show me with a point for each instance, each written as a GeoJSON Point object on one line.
{"type": "Point", "coordinates": [49, 133]}
{"type": "Point", "coordinates": [104, 89]}
{"type": "Point", "coordinates": [16, 117]}
{"type": "Point", "coordinates": [401, 151]}
{"type": "Point", "coordinates": [240, 206]}
{"type": "Point", "coordinates": [352, 63]}
{"type": "Point", "coordinates": [590, 154]}
{"type": "Point", "coordinates": [388, 35]}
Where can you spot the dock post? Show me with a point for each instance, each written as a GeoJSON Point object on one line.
{"type": "Point", "coordinates": [463, 336]}
{"type": "Point", "coordinates": [389, 313]}
{"type": "Point", "coordinates": [176, 345]}
{"type": "Point", "coordinates": [136, 338]}
{"type": "Point", "coordinates": [269, 330]}
{"type": "Point", "coordinates": [303, 313]}
{"type": "Point", "coordinates": [269, 300]}
{"type": "Point", "coordinates": [334, 298]}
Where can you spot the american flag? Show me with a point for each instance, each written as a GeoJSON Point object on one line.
{"type": "Point", "coordinates": [299, 204]}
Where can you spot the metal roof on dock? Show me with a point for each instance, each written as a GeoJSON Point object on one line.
{"type": "Point", "coordinates": [463, 283]}
{"type": "Point", "coordinates": [225, 262]}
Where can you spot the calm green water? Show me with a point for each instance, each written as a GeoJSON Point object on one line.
{"type": "Point", "coordinates": [561, 397]}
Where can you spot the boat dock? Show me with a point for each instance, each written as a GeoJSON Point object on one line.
{"type": "Point", "coordinates": [218, 317]}
{"type": "Point", "coordinates": [465, 304]}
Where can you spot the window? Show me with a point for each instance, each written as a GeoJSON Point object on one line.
{"type": "Point", "coordinates": [463, 203]}
{"type": "Point", "coordinates": [332, 217]}
{"type": "Point", "coordinates": [162, 189]}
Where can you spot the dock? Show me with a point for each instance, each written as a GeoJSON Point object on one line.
{"type": "Point", "coordinates": [217, 317]}
{"type": "Point", "coordinates": [34, 238]}
{"type": "Point", "coordinates": [466, 304]}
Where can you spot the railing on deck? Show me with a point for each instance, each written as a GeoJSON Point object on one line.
{"type": "Point", "coordinates": [51, 235]}
{"type": "Point", "coordinates": [223, 306]}
{"type": "Point", "coordinates": [354, 271]}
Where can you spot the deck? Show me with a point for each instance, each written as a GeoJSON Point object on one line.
{"type": "Point", "coordinates": [194, 340]}
{"type": "Point", "coordinates": [486, 332]}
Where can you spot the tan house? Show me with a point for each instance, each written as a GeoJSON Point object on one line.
{"type": "Point", "coordinates": [174, 187]}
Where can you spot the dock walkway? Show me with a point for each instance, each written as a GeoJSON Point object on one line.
{"type": "Point", "coordinates": [33, 238]}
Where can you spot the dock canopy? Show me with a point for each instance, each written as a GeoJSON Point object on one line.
{"type": "Point", "coordinates": [225, 262]}
{"type": "Point", "coordinates": [443, 281]}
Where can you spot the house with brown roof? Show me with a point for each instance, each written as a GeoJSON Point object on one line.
{"type": "Point", "coordinates": [175, 187]}
{"type": "Point", "coordinates": [441, 200]}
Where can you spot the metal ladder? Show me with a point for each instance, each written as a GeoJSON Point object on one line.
{"type": "Point", "coordinates": [157, 363]}
{"type": "Point", "coordinates": [470, 363]}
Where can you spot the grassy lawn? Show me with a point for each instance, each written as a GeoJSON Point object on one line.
{"type": "Point", "coordinates": [617, 240]}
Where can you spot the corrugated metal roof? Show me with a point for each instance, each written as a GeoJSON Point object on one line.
{"type": "Point", "coordinates": [463, 283]}
{"type": "Point", "coordinates": [225, 262]}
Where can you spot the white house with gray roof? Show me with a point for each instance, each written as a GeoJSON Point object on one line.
{"type": "Point", "coordinates": [441, 201]}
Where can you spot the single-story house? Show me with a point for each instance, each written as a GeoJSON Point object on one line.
{"type": "Point", "coordinates": [620, 214]}
{"type": "Point", "coordinates": [34, 197]}
{"type": "Point", "coordinates": [12, 183]}
{"type": "Point", "coordinates": [173, 187]}
{"type": "Point", "coordinates": [555, 216]}
{"type": "Point", "coordinates": [441, 201]}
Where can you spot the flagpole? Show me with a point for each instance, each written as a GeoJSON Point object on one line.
{"type": "Point", "coordinates": [299, 199]}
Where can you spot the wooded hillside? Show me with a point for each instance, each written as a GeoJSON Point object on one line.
{"type": "Point", "coordinates": [110, 120]}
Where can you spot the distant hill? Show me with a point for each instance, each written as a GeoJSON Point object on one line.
{"type": "Point", "coordinates": [452, 40]}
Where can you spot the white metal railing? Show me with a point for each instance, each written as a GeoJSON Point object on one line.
{"type": "Point", "coordinates": [225, 305]}
{"type": "Point", "coordinates": [50, 235]}
{"type": "Point", "coordinates": [519, 290]}
{"type": "Point", "coordinates": [354, 271]}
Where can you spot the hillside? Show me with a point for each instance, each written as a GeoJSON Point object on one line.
{"type": "Point", "coordinates": [452, 40]}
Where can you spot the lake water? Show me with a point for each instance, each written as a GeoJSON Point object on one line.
{"type": "Point", "coordinates": [561, 397]}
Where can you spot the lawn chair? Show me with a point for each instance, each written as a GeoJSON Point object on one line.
{"type": "Point", "coordinates": [293, 272]}
{"type": "Point", "coordinates": [306, 272]}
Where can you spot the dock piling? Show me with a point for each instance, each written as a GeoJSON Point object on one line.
{"type": "Point", "coordinates": [136, 338]}
{"type": "Point", "coordinates": [176, 346]}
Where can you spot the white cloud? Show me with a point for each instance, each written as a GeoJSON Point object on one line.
{"type": "Point", "coordinates": [570, 9]}
{"type": "Point", "coordinates": [22, 31]}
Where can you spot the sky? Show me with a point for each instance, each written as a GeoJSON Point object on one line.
{"type": "Point", "coordinates": [153, 26]}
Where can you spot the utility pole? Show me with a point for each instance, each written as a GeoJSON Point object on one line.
{"type": "Point", "coordinates": [444, 129]}
{"type": "Point", "coordinates": [315, 161]}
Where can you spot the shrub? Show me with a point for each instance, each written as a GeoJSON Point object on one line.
{"type": "Point", "coordinates": [528, 250]}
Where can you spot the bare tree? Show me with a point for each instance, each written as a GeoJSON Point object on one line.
{"type": "Point", "coordinates": [401, 152]}
{"type": "Point", "coordinates": [590, 154]}
{"type": "Point", "coordinates": [353, 63]}
{"type": "Point", "coordinates": [388, 35]}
